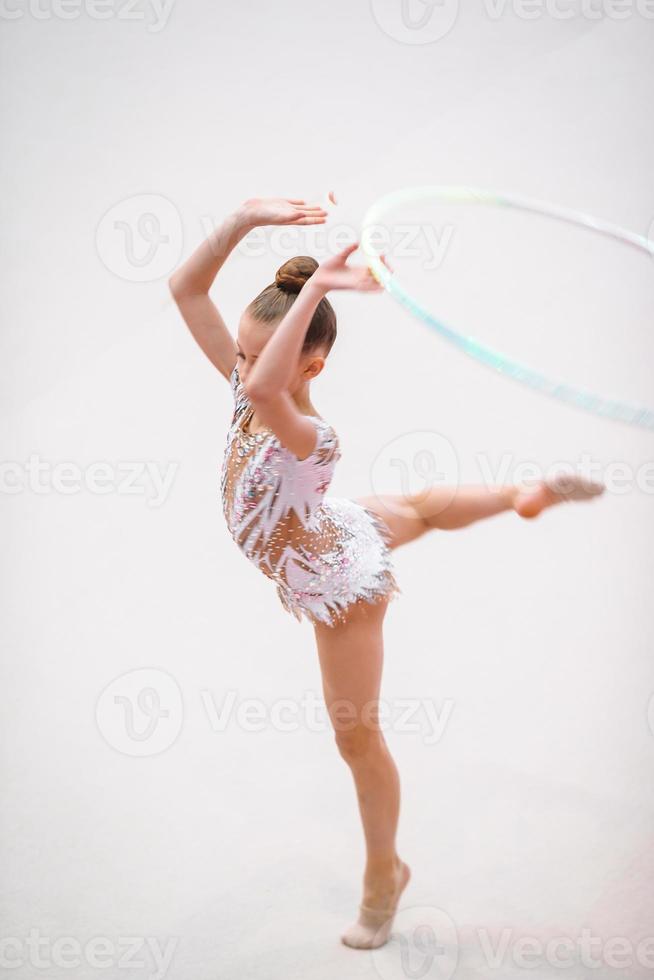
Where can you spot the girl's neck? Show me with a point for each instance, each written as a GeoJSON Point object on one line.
{"type": "Point", "coordinates": [303, 405]}
{"type": "Point", "coordinates": [302, 399]}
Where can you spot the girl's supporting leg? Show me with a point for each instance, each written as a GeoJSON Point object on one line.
{"type": "Point", "coordinates": [351, 658]}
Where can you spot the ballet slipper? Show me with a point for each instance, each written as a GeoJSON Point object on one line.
{"type": "Point", "coordinates": [573, 487]}
{"type": "Point", "coordinates": [560, 488]}
{"type": "Point", "coordinates": [373, 927]}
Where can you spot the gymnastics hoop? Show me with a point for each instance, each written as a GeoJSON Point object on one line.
{"type": "Point", "coordinates": [578, 397]}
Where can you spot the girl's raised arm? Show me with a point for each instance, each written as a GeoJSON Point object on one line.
{"type": "Point", "coordinates": [268, 381]}
{"type": "Point", "coordinates": [190, 283]}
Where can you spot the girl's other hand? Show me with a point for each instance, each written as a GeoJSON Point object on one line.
{"type": "Point", "coordinates": [259, 211]}
{"type": "Point", "coordinates": [335, 273]}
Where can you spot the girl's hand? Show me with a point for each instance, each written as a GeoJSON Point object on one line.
{"type": "Point", "coordinates": [335, 273]}
{"type": "Point", "coordinates": [258, 211]}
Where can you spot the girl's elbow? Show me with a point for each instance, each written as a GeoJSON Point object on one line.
{"type": "Point", "coordinates": [180, 287]}
{"type": "Point", "coordinates": [174, 286]}
{"type": "Point", "coordinates": [258, 392]}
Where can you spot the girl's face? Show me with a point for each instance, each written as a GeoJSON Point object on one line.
{"type": "Point", "coordinates": [251, 339]}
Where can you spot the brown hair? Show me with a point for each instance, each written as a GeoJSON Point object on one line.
{"type": "Point", "coordinates": [274, 302]}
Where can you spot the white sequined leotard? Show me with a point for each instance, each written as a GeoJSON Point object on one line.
{"type": "Point", "coordinates": [323, 552]}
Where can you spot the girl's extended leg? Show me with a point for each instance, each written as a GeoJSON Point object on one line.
{"type": "Point", "coordinates": [448, 508]}
{"type": "Point", "coordinates": [351, 658]}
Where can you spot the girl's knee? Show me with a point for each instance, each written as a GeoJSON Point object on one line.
{"type": "Point", "coordinates": [358, 743]}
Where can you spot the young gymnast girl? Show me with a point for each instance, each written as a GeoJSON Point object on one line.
{"type": "Point", "coordinates": [330, 558]}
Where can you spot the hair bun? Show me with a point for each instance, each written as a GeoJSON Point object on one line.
{"type": "Point", "coordinates": [292, 276]}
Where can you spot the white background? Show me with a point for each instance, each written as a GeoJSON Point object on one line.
{"type": "Point", "coordinates": [533, 810]}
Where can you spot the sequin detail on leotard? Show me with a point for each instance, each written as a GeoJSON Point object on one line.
{"type": "Point", "coordinates": [324, 553]}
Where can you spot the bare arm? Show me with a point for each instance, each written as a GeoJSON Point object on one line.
{"type": "Point", "coordinates": [267, 382]}
{"type": "Point", "coordinates": [190, 283]}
